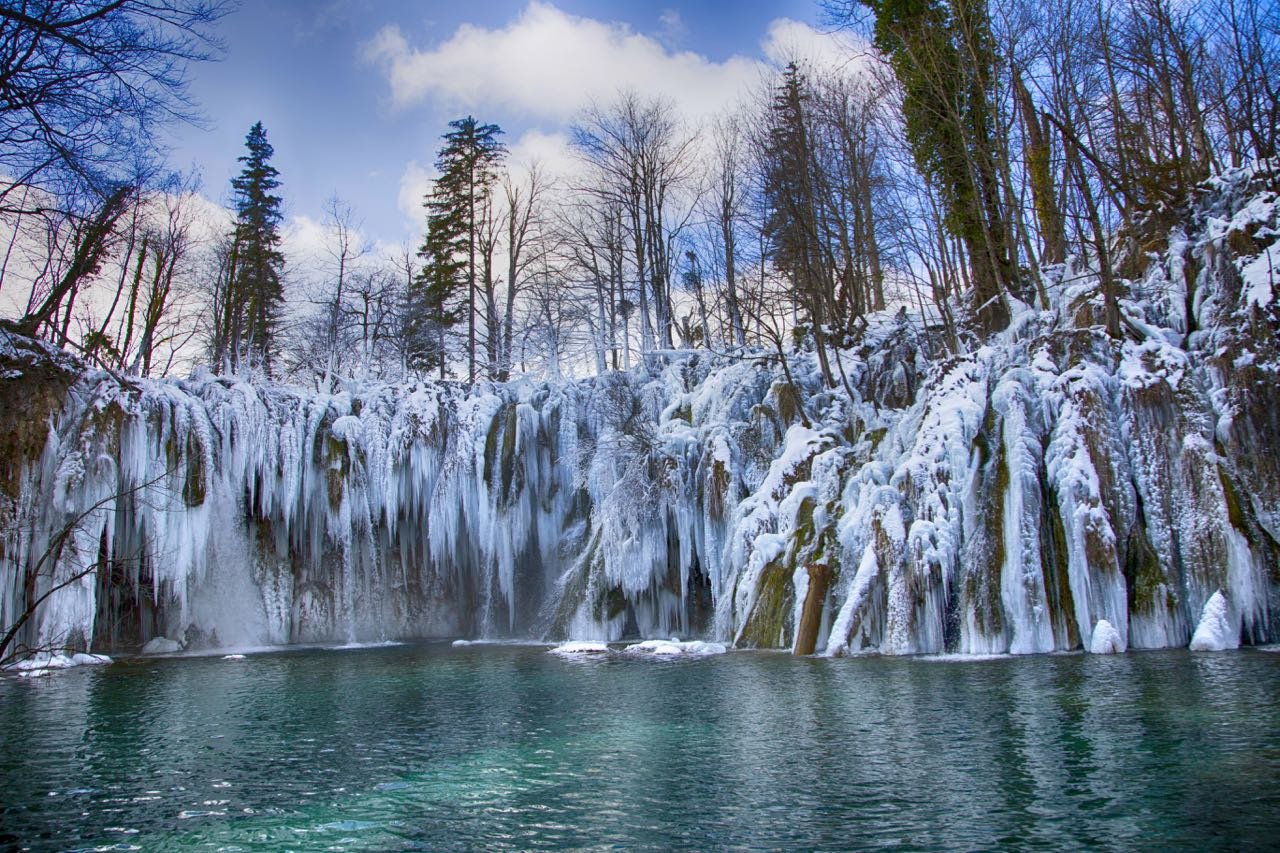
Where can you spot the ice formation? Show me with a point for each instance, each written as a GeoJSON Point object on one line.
{"type": "Point", "coordinates": [1216, 630]}
{"type": "Point", "coordinates": [1053, 489]}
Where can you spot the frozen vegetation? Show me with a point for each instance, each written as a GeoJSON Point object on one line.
{"type": "Point", "coordinates": [1051, 489]}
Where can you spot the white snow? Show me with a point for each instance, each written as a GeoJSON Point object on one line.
{"type": "Point", "coordinates": [1259, 279]}
{"type": "Point", "coordinates": [1216, 631]}
{"type": "Point", "coordinates": [580, 648]}
{"type": "Point", "coordinates": [258, 516]}
{"type": "Point", "coordinates": [43, 663]}
{"type": "Point", "coordinates": [1106, 640]}
{"type": "Point", "coordinates": [674, 648]}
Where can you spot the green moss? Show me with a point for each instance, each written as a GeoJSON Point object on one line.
{"type": "Point", "coordinates": [803, 530]}
{"type": "Point", "coordinates": [491, 445]}
{"type": "Point", "coordinates": [983, 579]}
{"type": "Point", "coordinates": [999, 493]}
{"type": "Point", "coordinates": [717, 490]}
{"type": "Point", "coordinates": [763, 413]}
{"type": "Point", "coordinates": [107, 422]}
{"type": "Point", "coordinates": [875, 436]}
{"type": "Point", "coordinates": [509, 450]}
{"type": "Point", "coordinates": [339, 466]}
{"type": "Point", "coordinates": [1055, 568]}
{"type": "Point", "coordinates": [788, 402]}
{"type": "Point", "coordinates": [1144, 574]}
{"type": "Point", "coordinates": [768, 618]}
{"type": "Point", "coordinates": [1235, 509]}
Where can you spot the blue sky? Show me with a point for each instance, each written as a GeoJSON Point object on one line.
{"type": "Point", "coordinates": [355, 93]}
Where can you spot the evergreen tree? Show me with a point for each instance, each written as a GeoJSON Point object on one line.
{"type": "Point", "coordinates": [436, 300]}
{"type": "Point", "coordinates": [249, 315]}
{"type": "Point", "coordinates": [943, 55]}
{"type": "Point", "coordinates": [455, 210]}
{"type": "Point", "coordinates": [791, 192]}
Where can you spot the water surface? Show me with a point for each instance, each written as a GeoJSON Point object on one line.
{"type": "Point", "coordinates": [497, 747]}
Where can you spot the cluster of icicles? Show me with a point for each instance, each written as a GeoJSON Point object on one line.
{"type": "Point", "coordinates": [1028, 501]}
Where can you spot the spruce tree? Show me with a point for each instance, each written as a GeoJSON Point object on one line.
{"type": "Point", "coordinates": [255, 288]}
{"type": "Point", "coordinates": [436, 300]}
{"type": "Point", "coordinates": [467, 164]}
{"type": "Point", "coordinates": [791, 192]}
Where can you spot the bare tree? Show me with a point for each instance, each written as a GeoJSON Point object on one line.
{"type": "Point", "coordinates": [726, 203]}
{"type": "Point", "coordinates": [642, 160]}
{"type": "Point", "coordinates": [85, 85]}
{"type": "Point", "coordinates": [527, 247]}
{"type": "Point", "coordinates": [344, 249]}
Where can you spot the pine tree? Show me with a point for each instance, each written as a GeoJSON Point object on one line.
{"type": "Point", "coordinates": [436, 300]}
{"type": "Point", "coordinates": [254, 288]}
{"type": "Point", "coordinates": [467, 165]}
{"type": "Point", "coordinates": [791, 191]}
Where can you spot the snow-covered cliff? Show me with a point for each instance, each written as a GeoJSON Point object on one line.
{"type": "Point", "coordinates": [1052, 489]}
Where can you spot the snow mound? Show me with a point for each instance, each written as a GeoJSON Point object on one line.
{"type": "Point", "coordinates": [161, 646]}
{"type": "Point", "coordinates": [1215, 631]}
{"type": "Point", "coordinates": [674, 648]}
{"type": "Point", "coordinates": [44, 663]}
{"type": "Point", "coordinates": [1106, 639]}
{"type": "Point", "coordinates": [579, 649]}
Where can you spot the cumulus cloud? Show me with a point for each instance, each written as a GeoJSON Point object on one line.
{"type": "Point", "coordinates": [546, 64]}
{"type": "Point", "coordinates": [788, 40]}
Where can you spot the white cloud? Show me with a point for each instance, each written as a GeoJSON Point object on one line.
{"type": "Point", "coordinates": [549, 150]}
{"type": "Point", "coordinates": [309, 244]}
{"type": "Point", "coordinates": [547, 64]}
{"type": "Point", "coordinates": [414, 185]}
{"type": "Point", "coordinates": [787, 40]}
{"type": "Point", "coordinates": [304, 242]}
{"type": "Point", "coordinates": [672, 29]}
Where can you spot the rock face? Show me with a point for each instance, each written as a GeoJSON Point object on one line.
{"type": "Point", "coordinates": [1054, 489]}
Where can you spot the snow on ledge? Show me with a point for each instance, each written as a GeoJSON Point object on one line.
{"type": "Point", "coordinates": [645, 650]}
{"type": "Point", "coordinates": [674, 648]}
{"type": "Point", "coordinates": [44, 663]}
{"type": "Point", "coordinates": [580, 649]}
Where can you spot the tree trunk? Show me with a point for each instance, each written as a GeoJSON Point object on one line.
{"type": "Point", "coordinates": [814, 600]}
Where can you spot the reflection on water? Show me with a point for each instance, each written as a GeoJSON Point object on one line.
{"type": "Point", "coordinates": [433, 747]}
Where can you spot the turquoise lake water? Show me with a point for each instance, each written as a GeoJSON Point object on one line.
{"type": "Point", "coordinates": [431, 747]}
